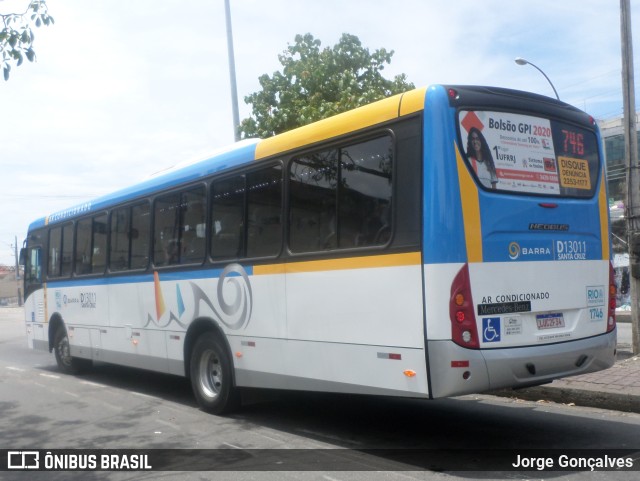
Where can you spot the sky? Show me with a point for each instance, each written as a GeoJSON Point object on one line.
{"type": "Point", "coordinates": [122, 89]}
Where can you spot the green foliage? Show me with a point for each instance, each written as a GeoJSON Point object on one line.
{"type": "Point", "coordinates": [317, 83]}
{"type": "Point", "coordinates": [16, 36]}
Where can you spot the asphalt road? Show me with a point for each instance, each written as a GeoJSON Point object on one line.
{"type": "Point", "coordinates": [113, 407]}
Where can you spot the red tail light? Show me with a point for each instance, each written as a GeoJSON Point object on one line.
{"type": "Point", "coordinates": [464, 331]}
{"type": "Point", "coordinates": [611, 317]}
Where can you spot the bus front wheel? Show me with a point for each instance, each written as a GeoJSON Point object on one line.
{"type": "Point", "coordinates": [211, 376]}
{"type": "Point", "coordinates": [67, 363]}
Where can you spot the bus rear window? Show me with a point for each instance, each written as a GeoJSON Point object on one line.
{"type": "Point", "coordinates": [518, 153]}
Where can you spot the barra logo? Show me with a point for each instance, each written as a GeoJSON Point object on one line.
{"type": "Point", "coordinates": [514, 251]}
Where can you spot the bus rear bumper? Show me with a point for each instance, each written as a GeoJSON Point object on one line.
{"type": "Point", "coordinates": [516, 367]}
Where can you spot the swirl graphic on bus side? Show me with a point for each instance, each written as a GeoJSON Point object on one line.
{"type": "Point", "coordinates": [233, 303]}
{"type": "Point", "coordinates": [234, 307]}
{"type": "Point", "coordinates": [514, 250]}
{"type": "Point", "coordinates": [243, 298]}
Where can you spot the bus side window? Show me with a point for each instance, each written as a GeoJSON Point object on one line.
{"type": "Point", "coordinates": [264, 206]}
{"type": "Point", "coordinates": [67, 250]}
{"type": "Point", "coordinates": [192, 226]}
{"type": "Point", "coordinates": [313, 180]}
{"type": "Point", "coordinates": [166, 249]}
{"type": "Point", "coordinates": [120, 227]}
{"type": "Point", "coordinates": [140, 235]}
{"type": "Point", "coordinates": [130, 237]}
{"type": "Point", "coordinates": [365, 194]}
{"type": "Point", "coordinates": [83, 246]}
{"type": "Point", "coordinates": [55, 249]}
{"type": "Point", "coordinates": [227, 228]}
{"type": "Point", "coordinates": [342, 198]}
{"type": "Point", "coordinates": [99, 244]}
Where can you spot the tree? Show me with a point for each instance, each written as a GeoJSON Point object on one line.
{"type": "Point", "coordinates": [317, 83]}
{"type": "Point", "coordinates": [16, 36]}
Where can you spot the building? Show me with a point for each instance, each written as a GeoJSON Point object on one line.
{"type": "Point", "coordinates": [10, 287]}
{"type": "Point", "coordinates": [612, 131]}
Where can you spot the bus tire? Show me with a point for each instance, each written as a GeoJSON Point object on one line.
{"type": "Point", "coordinates": [67, 363]}
{"type": "Point", "coordinates": [212, 377]}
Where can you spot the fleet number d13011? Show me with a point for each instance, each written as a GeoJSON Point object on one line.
{"type": "Point", "coordinates": [571, 250]}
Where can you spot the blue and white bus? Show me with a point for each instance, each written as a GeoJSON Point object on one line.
{"type": "Point", "coordinates": [448, 240]}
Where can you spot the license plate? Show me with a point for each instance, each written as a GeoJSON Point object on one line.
{"type": "Point", "coordinates": [550, 321]}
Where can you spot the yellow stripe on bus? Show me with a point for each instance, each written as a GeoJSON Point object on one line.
{"type": "Point", "coordinates": [360, 118]}
{"type": "Point", "coordinates": [412, 101]}
{"type": "Point", "coordinates": [604, 217]}
{"type": "Point", "coordinates": [347, 263]}
{"type": "Point", "coordinates": [470, 211]}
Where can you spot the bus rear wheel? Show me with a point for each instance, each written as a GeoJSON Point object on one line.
{"type": "Point", "coordinates": [67, 363]}
{"type": "Point", "coordinates": [212, 377]}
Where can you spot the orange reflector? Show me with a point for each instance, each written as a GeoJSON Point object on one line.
{"type": "Point", "coordinates": [409, 373]}
{"type": "Point", "coordinates": [238, 354]}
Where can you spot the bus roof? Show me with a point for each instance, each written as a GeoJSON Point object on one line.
{"type": "Point", "coordinates": [250, 150]}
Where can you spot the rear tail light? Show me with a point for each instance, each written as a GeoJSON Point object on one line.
{"type": "Point", "coordinates": [464, 331]}
{"type": "Point", "coordinates": [611, 317]}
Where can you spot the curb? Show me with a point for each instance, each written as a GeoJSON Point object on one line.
{"type": "Point", "coordinates": [572, 396]}
{"type": "Point", "coordinates": [623, 316]}
{"type": "Point", "coordinates": [574, 391]}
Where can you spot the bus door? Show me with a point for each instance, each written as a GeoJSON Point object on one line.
{"type": "Point", "coordinates": [34, 295]}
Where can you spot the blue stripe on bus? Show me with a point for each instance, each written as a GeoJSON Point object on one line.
{"type": "Point", "coordinates": [443, 235]}
{"type": "Point", "coordinates": [187, 275]}
{"type": "Point", "coordinates": [240, 155]}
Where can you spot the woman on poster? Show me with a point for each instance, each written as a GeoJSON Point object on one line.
{"type": "Point", "coordinates": [479, 154]}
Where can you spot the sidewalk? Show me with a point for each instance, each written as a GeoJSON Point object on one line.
{"type": "Point", "coordinates": [616, 388]}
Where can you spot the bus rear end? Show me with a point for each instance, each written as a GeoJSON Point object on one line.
{"type": "Point", "coordinates": [521, 291]}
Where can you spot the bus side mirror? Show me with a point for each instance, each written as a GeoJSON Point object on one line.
{"type": "Point", "coordinates": [634, 258]}
{"type": "Point", "coordinates": [23, 256]}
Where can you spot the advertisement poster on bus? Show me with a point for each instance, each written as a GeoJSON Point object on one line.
{"type": "Point", "coordinates": [511, 152]}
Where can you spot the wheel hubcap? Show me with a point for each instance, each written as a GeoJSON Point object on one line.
{"type": "Point", "coordinates": [210, 374]}
{"type": "Point", "coordinates": [63, 351]}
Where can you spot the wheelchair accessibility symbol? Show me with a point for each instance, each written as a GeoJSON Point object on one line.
{"type": "Point", "coordinates": [491, 329]}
